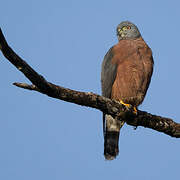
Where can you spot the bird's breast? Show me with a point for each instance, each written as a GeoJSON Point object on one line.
{"type": "Point", "coordinates": [130, 77]}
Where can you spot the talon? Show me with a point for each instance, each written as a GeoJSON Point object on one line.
{"type": "Point", "coordinates": [135, 110]}
{"type": "Point", "coordinates": [127, 105]}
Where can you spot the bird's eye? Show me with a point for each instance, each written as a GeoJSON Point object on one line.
{"type": "Point", "coordinates": [119, 30]}
{"type": "Point", "coordinates": [128, 27]}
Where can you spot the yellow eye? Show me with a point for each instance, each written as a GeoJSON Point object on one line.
{"type": "Point", "coordinates": [119, 30]}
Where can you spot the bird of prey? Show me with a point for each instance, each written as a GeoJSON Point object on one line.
{"type": "Point", "coordinates": [126, 73]}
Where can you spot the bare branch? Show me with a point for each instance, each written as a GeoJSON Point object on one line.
{"type": "Point", "coordinates": [26, 86]}
{"type": "Point", "coordinates": [114, 108]}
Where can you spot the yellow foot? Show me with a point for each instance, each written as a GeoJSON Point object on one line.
{"type": "Point", "coordinates": [127, 105]}
{"type": "Point", "coordinates": [135, 110]}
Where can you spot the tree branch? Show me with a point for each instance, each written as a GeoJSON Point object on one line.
{"type": "Point", "coordinates": [108, 106]}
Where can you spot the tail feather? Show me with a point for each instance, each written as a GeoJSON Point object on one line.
{"type": "Point", "coordinates": [111, 130]}
{"type": "Point", "coordinates": [111, 141]}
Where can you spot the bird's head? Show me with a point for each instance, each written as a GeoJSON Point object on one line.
{"type": "Point", "coordinates": [127, 30]}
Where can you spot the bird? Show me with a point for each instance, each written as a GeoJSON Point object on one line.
{"type": "Point", "coordinates": [126, 73]}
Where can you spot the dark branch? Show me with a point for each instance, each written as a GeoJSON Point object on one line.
{"type": "Point", "coordinates": [105, 105]}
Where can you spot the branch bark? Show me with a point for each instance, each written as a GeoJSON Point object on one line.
{"type": "Point", "coordinates": [108, 106]}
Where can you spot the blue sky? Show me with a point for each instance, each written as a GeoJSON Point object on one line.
{"type": "Point", "coordinates": [65, 41]}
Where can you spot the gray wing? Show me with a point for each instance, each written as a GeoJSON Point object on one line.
{"type": "Point", "coordinates": [108, 75]}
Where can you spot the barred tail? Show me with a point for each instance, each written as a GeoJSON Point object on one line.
{"type": "Point", "coordinates": [111, 129]}
{"type": "Point", "coordinates": [111, 141]}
